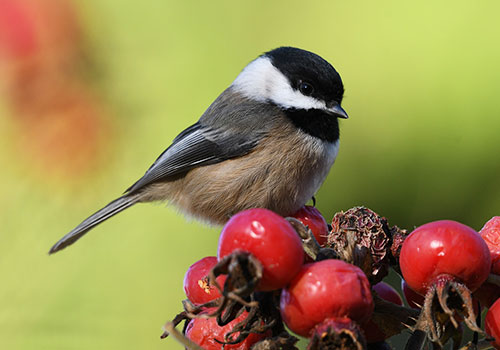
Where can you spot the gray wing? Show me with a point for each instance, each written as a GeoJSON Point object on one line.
{"type": "Point", "coordinates": [196, 146]}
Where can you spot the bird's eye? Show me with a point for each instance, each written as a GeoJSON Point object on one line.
{"type": "Point", "coordinates": [305, 88]}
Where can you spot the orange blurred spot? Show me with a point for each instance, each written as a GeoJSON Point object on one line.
{"type": "Point", "coordinates": [17, 29]}
{"type": "Point", "coordinates": [67, 139]}
{"type": "Point", "coordinates": [61, 124]}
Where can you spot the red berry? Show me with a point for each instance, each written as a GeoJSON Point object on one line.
{"type": "Point", "coordinates": [491, 235]}
{"type": "Point", "coordinates": [372, 332]}
{"type": "Point", "coordinates": [196, 284]}
{"type": "Point", "coordinates": [205, 332]}
{"type": "Point", "coordinates": [270, 239]}
{"type": "Point", "coordinates": [413, 299]}
{"type": "Point", "coordinates": [488, 293]}
{"type": "Point", "coordinates": [311, 217]}
{"type": "Point", "coordinates": [325, 289]}
{"type": "Point", "coordinates": [444, 248]}
{"type": "Point", "coordinates": [492, 323]}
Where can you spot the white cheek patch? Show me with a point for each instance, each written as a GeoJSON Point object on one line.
{"type": "Point", "coordinates": [262, 81]}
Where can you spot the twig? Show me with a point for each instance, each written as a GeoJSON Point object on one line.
{"type": "Point", "coordinates": [188, 344]}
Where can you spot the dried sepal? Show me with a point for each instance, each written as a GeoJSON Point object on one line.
{"type": "Point", "coordinates": [446, 304]}
{"type": "Point", "coordinates": [398, 236]}
{"type": "Point", "coordinates": [251, 324]}
{"type": "Point", "coordinates": [283, 341]}
{"type": "Point", "coordinates": [243, 271]}
{"type": "Point", "coordinates": [360, 236]}
{"type": "Point", "coordinates": [337, 334]}
{"type": "Point", "coordinates": [243, 275]}
{"type": "Point", "coordinates": [237, 296]}
{"type": "Point", "coordinates": [309, 242]}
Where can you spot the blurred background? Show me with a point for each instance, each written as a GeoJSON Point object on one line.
{"type": "Point", "coordinates": [93, 91]}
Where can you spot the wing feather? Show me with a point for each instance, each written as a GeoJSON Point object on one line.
{"type": "Point", "coordinates": [195, 146]}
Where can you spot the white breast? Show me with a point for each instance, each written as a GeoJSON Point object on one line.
{"type": "Point", "coordinates": [326, 153]}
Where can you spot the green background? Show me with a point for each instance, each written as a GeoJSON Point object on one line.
{"type": "Point", "coordinates": [422, 84]}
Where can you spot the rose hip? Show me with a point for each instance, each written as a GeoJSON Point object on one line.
{"type": "Point", "coordinates": [328, 289]}
{"type": "Point", "coordinates": [492, 323]}
{"type": "Point", "coordinates": [445, 260]}
{"type": "Point", "coordinates": [209, 335]}
{"type": "Point", "coordinates": [488, 293]}
{"type": "Point", "coordinates": [444, 248]}
{"type": "Point", "coordinates": [270, 239]}
{"type": "Point", "coordinates": [491, 235]}
{"type": "Point", "coordinates": [196, 283]}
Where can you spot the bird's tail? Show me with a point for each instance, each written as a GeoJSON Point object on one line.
{"type": "Point", "coordinates": [105, 213]}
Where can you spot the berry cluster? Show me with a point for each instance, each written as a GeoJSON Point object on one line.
{"type": "Point", "coordinates": [325, 283]}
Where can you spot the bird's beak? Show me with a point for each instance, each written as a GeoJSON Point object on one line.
{"type": "Point", "coordinates": [337, 111]}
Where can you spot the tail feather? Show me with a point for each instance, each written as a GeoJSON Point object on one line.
{"type": "Point", "coordinates": [105, 213]}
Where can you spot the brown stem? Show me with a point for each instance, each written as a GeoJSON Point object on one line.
{"type": "Point", "coordinates": [309, 242]}
{"type": "Point", "coordinates": [177, 319]}
{"type": "Point", "coordinates": [188, 344]}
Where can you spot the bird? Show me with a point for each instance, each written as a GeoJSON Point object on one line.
{"type": "Point", "coordinates": [267, 141]}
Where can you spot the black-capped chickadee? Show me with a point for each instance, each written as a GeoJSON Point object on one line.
{"type": "Point", "coordinates": [267, 141]}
